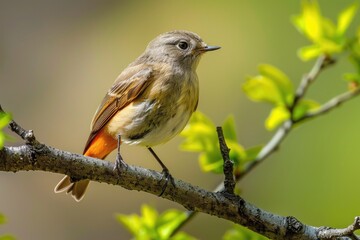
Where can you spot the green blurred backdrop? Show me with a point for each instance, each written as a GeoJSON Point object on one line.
{"type": "Point", "coordinates": [58, 58]}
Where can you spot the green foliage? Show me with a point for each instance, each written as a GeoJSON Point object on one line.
{"type": "Point", "coordinates": [274, 87]}
{"type": "Point", "coordinates": [354, 59]}
{"type": "Point", "coordinates": [238, 232]}
{"type": "Point", "coordinates": [6, 236]}
{"type": "Point", "coordinates": [200, 136]}
{"type": "Point", "coordinates": [326, 36]}
{"type": "Point", "coordinates": [271, 86]}
{"type": "Point", "coordinates": [5, 118]}
{"type": "Point", "coordinates": [152, 225]}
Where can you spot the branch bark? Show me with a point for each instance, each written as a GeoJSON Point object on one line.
{"type": "Point", "coordinates": [36, 156]}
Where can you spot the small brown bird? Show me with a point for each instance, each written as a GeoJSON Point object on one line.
{"type": "Point", "coordinates": [149, 103]}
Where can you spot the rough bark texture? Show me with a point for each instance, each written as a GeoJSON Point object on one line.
{"type": "Point", "coordinates": [36, 156]}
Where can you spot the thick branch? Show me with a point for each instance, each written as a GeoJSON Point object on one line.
{"type": "Point", "coordinates": [275, 142]}
{"type": "Point", "coordinates": [36, 156]}
{"type": "Point", "coordinates": [235, 209]}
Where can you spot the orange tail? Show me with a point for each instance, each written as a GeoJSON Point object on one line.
{"type": "Point", "coordinates": [100, 147]}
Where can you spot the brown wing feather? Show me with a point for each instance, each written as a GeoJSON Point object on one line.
{"type": "Point", "coordinates": [131, 83]}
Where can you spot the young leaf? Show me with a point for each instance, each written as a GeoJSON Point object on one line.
{"type": "Point", "coordinates": [346, 17]}
{"type": "Point", "coordinates": [152, 225]}
{"type": "Point", "coordinates": [309, 52]}
{"type": "Point", "coordinates": [228, 128]}
{"type": "Point", "coordinates": [282, 82]}
{"type": "Point", "coordinates": [262, 89]}
{"type": "Point", "coordinates": [199, 134]}
{"type": "Point", "coordinates": [238, 232]}
{"type": "Point", "coordinates": [169, 221]}
{"type": "Point", "coordinates": [277, 116]}
{"type": "Point", "coordinates": [312, 20]}
{"type": "Point", "coordinates": [252, 152]}
{"type": "Point", "coordinates": [327, 38]}
{"type": "Point", "coordinates": [182, 236]}
{"type": "Point", "coordinates": [303, 107]}
{"type": "Point", "coordinates": [272, 85]}
{"type": "Point", "coordinates": [211, 163]}
{"type": "Point", "coordinates": [5, 118]}
{"type": "Point", "coordinates": [150, 215]}
{"type": "Point", "coordinates": [131, 222]}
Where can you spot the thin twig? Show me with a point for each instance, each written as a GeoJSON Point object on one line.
{"type": "Point", "coordinates": [331, 104]}
{"type": "Point", "coordinates": [27, 135]}
{"type": "Point", "coordinates": [321, 63]}
{"type": "Point", "coordinates": [331, 233]}
{"type": "Point", "coordinates": [229, 182]}
{"type": "Point", "coordinates": [280, 134]}
{"type": "Point", "coordinates": [268, 149]}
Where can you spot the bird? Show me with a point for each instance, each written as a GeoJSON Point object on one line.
{"type": "Point", "coordinates": [149, 103]}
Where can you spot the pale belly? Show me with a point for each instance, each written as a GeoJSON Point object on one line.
{"type": "Point", "coordinates": [146, 124]}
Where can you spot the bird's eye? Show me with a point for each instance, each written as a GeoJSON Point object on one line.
{"type": "Point", "coordinates": [183, 45]}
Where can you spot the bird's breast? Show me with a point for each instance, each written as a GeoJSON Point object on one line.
{"type": "Point", "coordinates": [160, 114]}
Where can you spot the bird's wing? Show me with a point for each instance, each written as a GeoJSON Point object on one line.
{"type": "Point", "coordinates": [127, 87]}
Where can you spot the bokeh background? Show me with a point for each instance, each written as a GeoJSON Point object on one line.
{"type": "Point", "coordinates": [58, 58]}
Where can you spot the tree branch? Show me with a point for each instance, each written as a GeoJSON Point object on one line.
{"type": "Point", "coordinates": [331, 104]}
{"type": "Point", "coordinates": [274, 143]}
{"type": "Point", "coordinates": [36, 156]}
{"type": "Point", "coordinates": [321, 63]}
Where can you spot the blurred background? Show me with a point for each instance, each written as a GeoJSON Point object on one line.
{"type": "Point", "coordinates": [58, 59]}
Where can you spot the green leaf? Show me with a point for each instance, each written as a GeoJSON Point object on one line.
{"type": "Point", "coordinates": [237, 152]}
{"type": "Point", "coordinates": [327, 37]}
{"type": "Point", "coordinates": [272, 86]}
{"type": "Point", "coordinates": [149, 214]}
{"type": "Point", "coordinates": [238, 232]}
{"type": "Point", "coordinates": [309, 52]}
{"type": "Point", "coordinates": [345, 18]}
{"type": "Point", "coordinates": [182, 236]}
{"type": "Point", "coordinates": [211, 163]}
{"type": "Point", "coordinates": [152, 225]}
{"type": "Point", "coordinates": [251, 153]}
{"type": "Point", "coordinates": [131, 222]}
{"type": "Point", "coordinates": [5, 118]}
{"type": "Point", "coordinates": [169, 221]}
{"type": "Point", "coordinates": [312, 20]}
{"type": "Point", "coordinates": [228, 128]}
{"type": "Point", "coordinates": [262, 89]}
{"type": "Point", "coordinates": [277, 116]}
{"type": "Point", "coordinates": [200, 134]}
{"type": "Point", "coordinates": [282, 82]}
{"type": "Point", "coordinates": [303, 107]}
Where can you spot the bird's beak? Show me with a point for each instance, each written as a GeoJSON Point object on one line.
{"type": "Point", "coordinates": [210, 48]}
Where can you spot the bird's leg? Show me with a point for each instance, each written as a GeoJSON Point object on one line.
{"type": "Point", "coordinates": [166, 174]}
{"type": "Point", "coordinates": [119, 161]}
